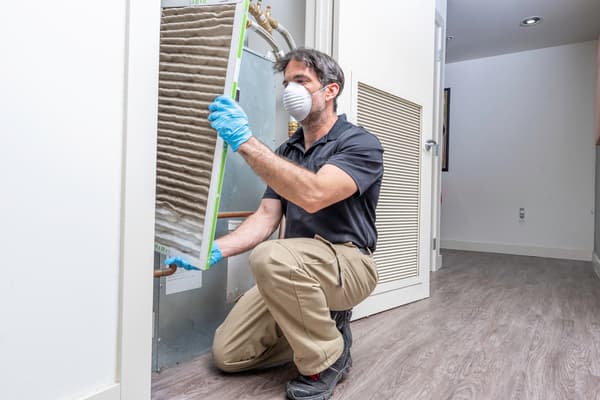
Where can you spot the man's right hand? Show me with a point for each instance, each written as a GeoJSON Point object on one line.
{"type": "Point", "coordinates": [230, 121]}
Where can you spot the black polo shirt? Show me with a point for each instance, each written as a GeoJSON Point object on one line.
{"type": "Point", "coordinates": [358, 153]}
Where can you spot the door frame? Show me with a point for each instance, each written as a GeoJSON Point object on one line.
{"type": "Point", "coordinates": [318, 25]}
{"type": "Point", "coordinates": [438, 116]}
{"type": "Point", "coordinates": [140, 114]}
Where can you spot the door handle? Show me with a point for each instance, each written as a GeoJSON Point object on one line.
{"type": "Point", "coordinates": [429, 144]}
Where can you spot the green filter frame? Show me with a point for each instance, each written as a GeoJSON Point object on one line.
{"type": "Point", "coordinates": [202, 259]}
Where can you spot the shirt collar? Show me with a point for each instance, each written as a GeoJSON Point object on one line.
{"type": "Point", "coordinates": [335, 131]}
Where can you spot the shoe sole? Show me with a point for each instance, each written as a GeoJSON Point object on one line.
{"type": "Point", "coordinates": [325, 396]}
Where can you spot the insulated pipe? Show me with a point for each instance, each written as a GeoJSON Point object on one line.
{"type": "Point", "coordinates": [287, 36]}
{"type": "Point", "coordinates": [280, 28]}
{"type": "Point", "coordinates": [267, 37]}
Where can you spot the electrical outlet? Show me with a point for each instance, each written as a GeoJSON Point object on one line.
{"type": "Point", "coordinates": [521, 214]}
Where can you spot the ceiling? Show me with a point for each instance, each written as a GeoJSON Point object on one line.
{"type": "Point", "coordinates": [483, 28]}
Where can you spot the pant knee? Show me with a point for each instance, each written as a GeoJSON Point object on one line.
{"type": "Point", "coordinates": [266, 259]}
{"type": "Point", "coordinates": [219, 350]}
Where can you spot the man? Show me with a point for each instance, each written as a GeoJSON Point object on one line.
{"type": "Point", "coordinates": [325, 179]}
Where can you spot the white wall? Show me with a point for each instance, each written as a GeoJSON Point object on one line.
{"type": "Point", "coordinates": [61, 122]}
{"type": "Point", "coordinates": [389, 45]}
{"type": "Point", "coordinates": [521, 135]}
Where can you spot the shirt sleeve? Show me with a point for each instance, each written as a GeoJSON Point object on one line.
{"type": "Point", "coordinates": [360, 155]}
{"type": "Point", "coordinates": [271, 194]}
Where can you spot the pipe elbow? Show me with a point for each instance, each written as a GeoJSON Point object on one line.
{"type": "Point", "coordinates": [272, 21]}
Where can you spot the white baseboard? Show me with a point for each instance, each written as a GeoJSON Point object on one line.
{"type": "Point", "coordinates": [566, 254]}
{"type": "Point", "coordinates": [110, 393]}
{"type": "Point", "coordinates": [596, 262]}
{"type": "Point", "coordinates": [383, 301]}
{"type": "Point", "coordinates": [437, 263]}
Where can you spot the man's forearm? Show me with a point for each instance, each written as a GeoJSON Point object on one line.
{"type": "Point", "coordinates": [245, 237]}
{"type": "Point", "coordinates": [294, 183]}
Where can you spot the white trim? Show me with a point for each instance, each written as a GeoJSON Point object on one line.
{"type": "Point", "coordinates": [537, 251]}
{"type": "Point", "coordinates": [318, 25]}
{"type": "Point", "coordinates": [111, 393]}
{"type": "Point", "coordinates": [438, 116]}
{"type": "Point", "coordinates": [377, 303]}
{"type": "Point", "coordinates": [138, 196]}
{"type": "Point", "coordinates": [596, 262]}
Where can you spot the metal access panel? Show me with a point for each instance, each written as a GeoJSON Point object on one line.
{"type": "Point", "coordinates": [185, 321]}
{"type": "Point", "coordinates": [200, 51]}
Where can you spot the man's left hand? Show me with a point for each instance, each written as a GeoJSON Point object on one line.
{"type": "Point", "coordinates": [230, 121]}
{"type": "Point", "coordinates": [181, 263]}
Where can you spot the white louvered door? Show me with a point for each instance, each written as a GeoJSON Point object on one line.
{"type": "Point", "coordinates": [403, 211]}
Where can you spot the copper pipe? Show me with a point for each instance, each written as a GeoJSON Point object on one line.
{"type": "Point", "coordinates": [158, 273]}
{"type": "Point", "coordinates": [293, 126]}
{"type": "Point", "coordinates": [289, 40]}
{"type": "Point", "coordinates": [272, 21]}
{"type": "Point", "coordinates": [256, 12]}
{"type": "Point", "coordinates": [234, 214]}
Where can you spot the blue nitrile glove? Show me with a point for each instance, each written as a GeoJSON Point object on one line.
{"type": "Point", "coordinates": [230, 121]}
{"type": "Point", "coordinates": [215, 254]}
{"type": "Point", "coordinates": [181, 263]}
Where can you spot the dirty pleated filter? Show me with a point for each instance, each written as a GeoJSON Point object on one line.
{"type": "Point", "coordinates": [194, 51]}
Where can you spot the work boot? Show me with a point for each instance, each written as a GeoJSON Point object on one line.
{"type": "Point", "coordinates": [321, 386]}
{"type": "Point", "coordinates": [342, 322]}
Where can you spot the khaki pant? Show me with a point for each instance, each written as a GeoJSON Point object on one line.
{"type": "Point", "coordinates": [286, 316]}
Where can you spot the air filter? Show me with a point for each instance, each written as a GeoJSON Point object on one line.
{"type": "Point", "coordinates": [200, 52]}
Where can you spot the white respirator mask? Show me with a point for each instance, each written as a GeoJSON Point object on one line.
{"type": "Point", "coordinates": [297, 100]}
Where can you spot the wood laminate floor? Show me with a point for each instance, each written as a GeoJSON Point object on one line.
{"type": "Point", "coordinates": [495, 327]}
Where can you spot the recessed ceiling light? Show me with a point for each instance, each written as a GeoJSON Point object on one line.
{"type": "Point", "coordinates": [531, 21]}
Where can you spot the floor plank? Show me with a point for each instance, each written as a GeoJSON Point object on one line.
{"type": "Point", "coordinates": [495, 327]}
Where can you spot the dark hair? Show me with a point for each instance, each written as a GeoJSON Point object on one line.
{"type": "Point", "coordinates": [327, 69]}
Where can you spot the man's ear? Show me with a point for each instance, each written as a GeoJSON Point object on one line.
{"type": "Point", "coordinates": [332, 91]}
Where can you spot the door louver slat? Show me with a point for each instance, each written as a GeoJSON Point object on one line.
{"type": "Point", "coordinates": [397, 124]}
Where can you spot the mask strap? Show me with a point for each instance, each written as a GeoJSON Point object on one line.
{"type": "Point", "coordinates": [319, 90]}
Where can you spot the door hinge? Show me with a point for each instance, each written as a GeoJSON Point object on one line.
{"type": "Point", "coordinates": [434, 243]}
